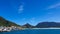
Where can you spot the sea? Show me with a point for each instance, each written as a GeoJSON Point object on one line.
{"type": "Point", "coordinates": [34, 31]}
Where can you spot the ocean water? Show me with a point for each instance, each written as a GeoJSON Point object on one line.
{"type": "Point", "coordinates": [34, 31]}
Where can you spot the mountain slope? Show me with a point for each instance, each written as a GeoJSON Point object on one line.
{"type": "Point", "coordinates": [48, 24]}
{"type": "Point", "coordinates": [4, 22]}
{"type": "Point", "coordinates": [27, 25]}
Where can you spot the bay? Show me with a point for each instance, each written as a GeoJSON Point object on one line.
{"type": "Point", "coordinates": [34, 31]}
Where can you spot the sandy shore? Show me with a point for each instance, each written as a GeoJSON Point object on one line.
{"type": "Point", "coordinates": [45, 28]}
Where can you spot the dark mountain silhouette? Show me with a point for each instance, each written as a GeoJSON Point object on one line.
{"type": "Point", "coordinates": [4, 22]}
{"type": "Point", "coordinates": [27, 25]}
{"type": "Point", "coordinates": [47, 24]}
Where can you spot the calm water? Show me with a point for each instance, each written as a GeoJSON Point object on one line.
{"type": "Point", "coordinates": [39, 31]}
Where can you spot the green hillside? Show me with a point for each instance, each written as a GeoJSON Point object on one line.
{"type": "Point", "coordinates": [4, 22]}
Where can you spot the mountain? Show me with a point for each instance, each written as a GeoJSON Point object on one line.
{"type": "Point", "coordinates": [27, 25]}
{"type": "Point", "coordinates": [4, 22]}
{"type": "Point", "coordinates": [47, 24]}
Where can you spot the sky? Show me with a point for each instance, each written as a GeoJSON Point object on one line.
{"type": "Point", "coordinates": [30, 11]}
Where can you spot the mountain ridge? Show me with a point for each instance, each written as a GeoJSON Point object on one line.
{"type": "Point", "coordinates": [4, 22]}
{"type": "Point", "coordinates": [47, 24]}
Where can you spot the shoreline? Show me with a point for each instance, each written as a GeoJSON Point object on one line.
{"type": "Point", "coordinates": [45, 28]}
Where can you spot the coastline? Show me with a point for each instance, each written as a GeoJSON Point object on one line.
{"type": "Point", "coordinates": [45, 28]}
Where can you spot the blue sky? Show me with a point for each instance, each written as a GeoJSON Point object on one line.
{"type": "Point", "coordinates": [30, 11]}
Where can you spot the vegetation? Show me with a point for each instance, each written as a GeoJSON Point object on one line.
{"type": "Point", "coordinates": [4, 22]}
{"type": "Point", "coordinates": [27, 25]}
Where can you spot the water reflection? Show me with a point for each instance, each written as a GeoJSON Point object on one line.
{"type": "Point", "coordinates": [1, 32]}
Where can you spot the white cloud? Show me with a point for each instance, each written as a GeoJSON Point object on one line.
{"type": "Point", "coordinates": [21, 8]}
{"type": "Point", "coordinates": [54, 6]}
